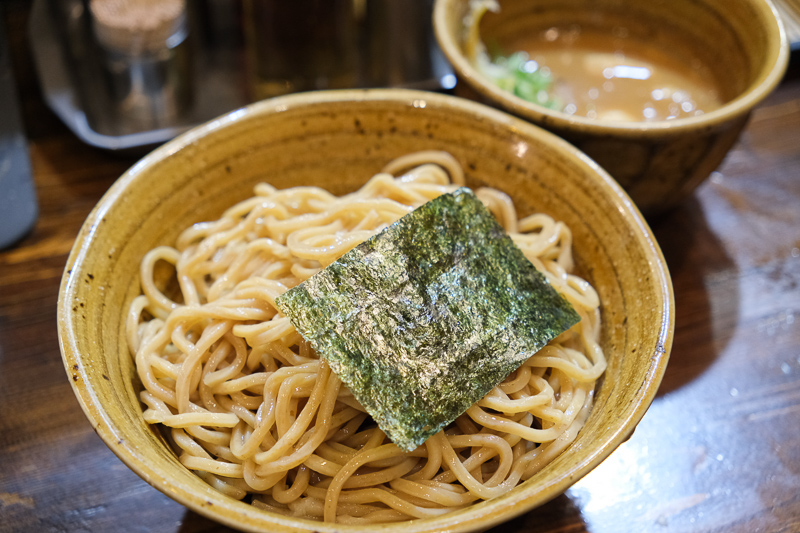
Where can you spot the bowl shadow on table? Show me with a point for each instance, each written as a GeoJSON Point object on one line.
{"type": "Point", "coordinates": [560, 514]}
{"type": "Point", "coordinates": [692, 251]}
{"type": "Point", "coordinates": [195, 523]}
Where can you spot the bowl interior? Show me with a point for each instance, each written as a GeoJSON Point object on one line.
{"type": "Point", "coordinates": [337, 140]}
{"type": "Point", "coordinates": [740, 45]}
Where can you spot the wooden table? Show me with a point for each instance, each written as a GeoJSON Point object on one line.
{"type": "Point", "coordinates": [719, 450]}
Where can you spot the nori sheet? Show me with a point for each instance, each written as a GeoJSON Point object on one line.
{"type": "Point", "coordinates": [423, 319]}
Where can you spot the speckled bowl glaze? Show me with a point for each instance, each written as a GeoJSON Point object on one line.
{"type": "Point", "coordinates": [658, 163]}
{"type": "Point", "coordinates": [337, 140]}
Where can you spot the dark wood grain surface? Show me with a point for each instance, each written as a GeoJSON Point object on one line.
{"type": "Point", "coordinates": [719, 450]}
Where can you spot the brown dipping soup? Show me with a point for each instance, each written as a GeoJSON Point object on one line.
{"type": "Point", "coordinates": [616, 77]}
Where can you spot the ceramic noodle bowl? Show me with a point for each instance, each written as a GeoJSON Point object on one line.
{"type": "Point", "coordinates": [337, 140]}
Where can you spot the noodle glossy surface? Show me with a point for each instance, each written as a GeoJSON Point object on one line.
{"type": "Point", "coordinates": [248, 405]}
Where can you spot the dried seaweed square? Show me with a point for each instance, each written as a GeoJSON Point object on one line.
{"type": "Point", "coordinates": [423, 319]}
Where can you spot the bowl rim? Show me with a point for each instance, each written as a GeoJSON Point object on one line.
{"type": "Point", "coordinates": [243, 516]}
{"type": "Point", "coordinates": [767, 79]}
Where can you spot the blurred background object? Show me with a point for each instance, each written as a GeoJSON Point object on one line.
{"type": "Point", "coordinates": [144, 59]}
{"type": "Point", "coordinates": [333, 44]}
{"type": "Point", "coordinates": [203, 58]}
{"type": "Point", "coordinates": [18, 206]}
{"type": "Point", "coordinates": [302, 45]}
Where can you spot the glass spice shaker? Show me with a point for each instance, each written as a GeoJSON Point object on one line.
{"type": "Point", "coordinates": [145, 59]}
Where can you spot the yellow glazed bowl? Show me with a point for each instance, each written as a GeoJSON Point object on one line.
{"type": "Point", "coordinates": [659, 163]}
{"type": "Point", "coordinates": [337, 140]}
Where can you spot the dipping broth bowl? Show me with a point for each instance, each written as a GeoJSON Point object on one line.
{"type": "Point", "coordinates": [738, 47]}
{"type": "Point", "coordinates": [337, 140]}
